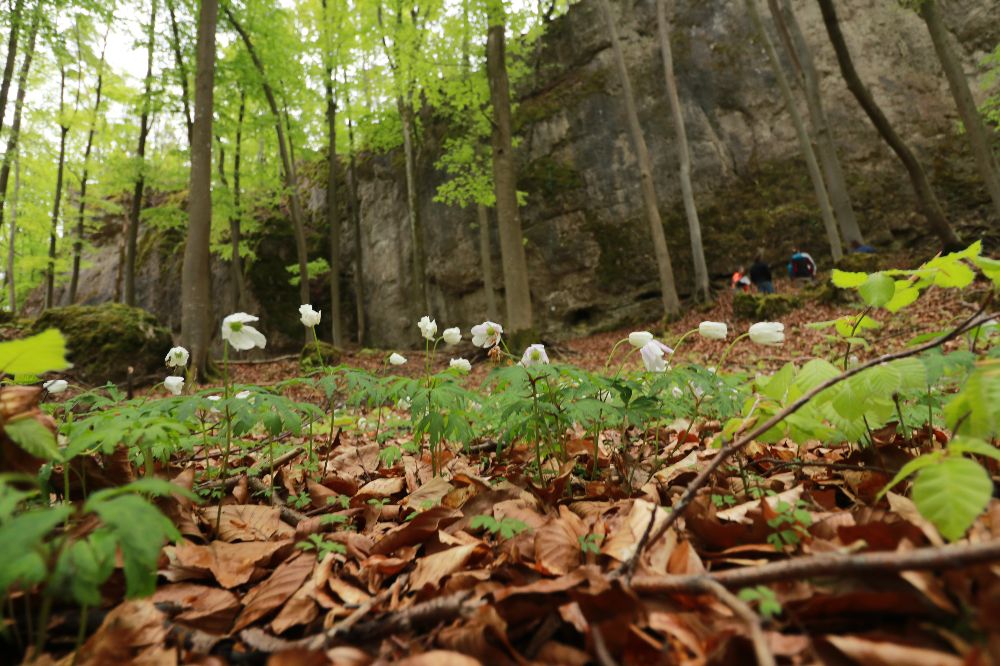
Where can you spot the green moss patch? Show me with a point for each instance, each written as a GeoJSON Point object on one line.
{"type": "Point", "coordinates": [764, 307]}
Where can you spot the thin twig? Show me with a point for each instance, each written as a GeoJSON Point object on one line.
{"type": "Point", "coordinates": [952, 556]}
{"type": "Point", "coordinates": [601, 652]}
{"type": "Point", "coordinates": [745, 613]}
{"type": "Point", "coordinates": [261, 361]}
{"type": "Point", "coordinates": [628, 567]}
{"type": "Point", "coordinates": [778, 462]}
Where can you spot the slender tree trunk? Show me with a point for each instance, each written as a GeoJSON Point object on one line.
{"type": "Point", "coordinates": [801, 57]}
{"type": "Point", "coordinates": [8, 69]}
{"type": "Point", "coordinates": [196, 275]}
{"type": "Point", "coordinates": [22, 89]}
{"type": "Point", "coordinates": [517, 293]}
{"type": "Point", "coordinates": [182, 74]}
{"type": "Point", "coordinates": [140, 153]}
{"type": "Point", "coordinates": [486, 261]}
{"type": "Point", "coordinates": [291, 182]}
{"type": "Point", "coordinates": [980, 139]}
{"type": "Point", "coordinates": [50, 269]}
{"type": "Point", "coordinates": [684, 155]}
{"type": "Point", "coordinates": [671, 303]}
{"type": "Point", "coordinates": [355, 212]}
{"type": "Point", "coordinates": [413, 205]}
{"type": "Point", "coordinates": [815, 175]}
{"type": "Point", "coordinates": [235, 232]}
{"type": "Point", "coordinates": [82, 212]}
{"type": "Point", "coordinates": [927, 202]}
{"type": "Point", "coordinates": [12, 239]}
{"type": "Point", "coordinates": [332, 218]}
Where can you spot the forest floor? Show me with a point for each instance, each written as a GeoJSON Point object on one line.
{"type": "Point", "coordinates": [481, 565]}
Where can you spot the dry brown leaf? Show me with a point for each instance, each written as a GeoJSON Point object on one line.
{"type": "Point", "coordinates": [440, 658]}
{"type": "Point", "coordinates": [129, 628]}
{"type": "Point", "coordinates": [244, 522]}
{"type": "Point", "coordinates": [208, 609]}
{"type": "Point", "coordinates": [432, 491]}
{"type": "Point", "coordinates": [277, 589]}
{"type": "Point", "coordinates": [347, 592]}
{"type": "Point", "coordinates": [432, 568]}
{"type": "Point", "coordinates": [378, 489]}
{"type": "Point", "coordinates": [622, 542]}
{"type": "Point", "coordinates": [346, 655]}
{"type": "Point", "coordinates": [416, 531]}
{"type": "Point", "coordinates": [738, 513]}
{"type": "Point", "coordinates": [232, 564]}
{"type": "Point", "coordinates": [300, 609]}
{"type": "Point", "coordinates": [557, 544]}
{"type": "Point", "coordinates": [866, 652]}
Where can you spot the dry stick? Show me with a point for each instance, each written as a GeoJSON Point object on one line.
{"type": "Point", "coordinates": [650, 536]}
{"type": "Point", "coordinates": [601, 652]}
{"type": "Point", "coordinates": [262, 361]}
{"type": "Point", "coordinates": [760, 647]}
{"type": "Point", "coordinates": [952, 556]}
{"type": "Point", "coordinates": [252, 472]}
{"type": "Point", "coordinates": [288, 514]}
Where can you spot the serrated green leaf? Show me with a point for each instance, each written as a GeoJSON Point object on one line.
{"type": "Point", "coordinates": [847, 280]}
{"type": "Point", "coordinates": [909, 468]}
{"type": "Point", "coordinates": [877, 290]}
{"type": "Point", "coordinates": [34, 438]}
{"type": "Point", "coordinates": [883, 379]}
{"type": "Point", "coordinates": [814, 373]}
{"type": "Point", "coordinates": [912, 373]}
{"type": "Point", "coordinates": [904, 293]}
{"type": "Point", "coordinates": [45, 352]}
{"type": "Point", "coordinates": [989, 267]}
{"type": "Point", "coordinates": [975, 446]}
{"type": "Point", "coordinates": [952, 494]}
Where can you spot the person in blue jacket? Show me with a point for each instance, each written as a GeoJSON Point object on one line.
{"type": "Point", "coordinates": [801, 266]}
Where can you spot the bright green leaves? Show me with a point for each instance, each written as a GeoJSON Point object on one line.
{"type": "Point", "coordinates": [973, 411]}
{"type": "Point", "coordinates": [45, 352]}
{"type": "Point", "coordinates": [877, 290]}
{"type": "Point", "coordinates": [22, 544]}
{"type": "Point", "coordinates": [951, 494]}
{"type": "Point", "coordinates": [33, 437]}
{"type": "Point", "coordinates": [847, 280]}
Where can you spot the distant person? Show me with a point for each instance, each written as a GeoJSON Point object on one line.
{"type": "Point", "coordinates": [741, 281]}
{"type": "Point", "coordinates": [857, 247]}
{"type": "Point", "coordinates": [801, 266]}
{"type": "Point", "coordinates": [760, 275]}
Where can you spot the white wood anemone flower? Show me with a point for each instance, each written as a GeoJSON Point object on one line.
{"type": "Point", "coordinates": [534, 355]}
{"type": "Point", "coordinates": [428, 327]}
{"type": "Point", "coordinates": [713, 330]}
{"type": "Point", "coordinates": [486, 334]}
{"type": "Point", "coordinates": [769, 333]}
{"type": "Point", "coordinates": [653, 353]}
{"type": "Point", "coordinates": [177, 357]}
{"type": "Point", "coordinates": [240, 336]}
{"type": "Point", "coordinates": [452, 336]}
{"type": "Point", "coordinates": [308, 316]}
{"type": "Point", "coordinates": [174, 384]}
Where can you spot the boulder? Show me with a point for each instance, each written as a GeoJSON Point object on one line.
{"type": "Point", "coordinates": [764, 307]}
{"type": "Point", "coordinates": [105, 340]}
{"type": "Point", "coordinates": [309, 358]}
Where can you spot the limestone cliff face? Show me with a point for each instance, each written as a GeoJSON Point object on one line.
{"type": "Point", "coordinates": [586, 239]}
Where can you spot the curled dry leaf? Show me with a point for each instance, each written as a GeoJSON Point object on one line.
{"type": "Point", "coordinates": [557, 543]}
{"type": "Point", "coordinates": [128, 629]}
{"type": "Point", "coordinates": [246, 522]}
{"type": "Point", "coordinates": [416, 531]}
{"type": "Point", "coordinates": [205, 608]}
{"type": "Point", "coordinates": [883, 653]}
{"type": "Point", "coordinates": [431, 569]}
{"type": "Point", "coordinates": [232, 564]}
{"type": "Point", "coordinates": [440, 658]}
{"type": "Point", "coordinates": [276, 590]}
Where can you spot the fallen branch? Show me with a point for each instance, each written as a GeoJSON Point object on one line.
{"type": "Point", "coordinates": [288, 514]}
{"type": "Point", "coordinates": [628, 567]}
{"type": "Point", "coordinates": [253, 472]}
{"type": "Point", "coordinates": [953, 556]}
{"type": "Point", "coordinates": [760, 647]}
{"type": "Point", "coordinates": [258, 361]}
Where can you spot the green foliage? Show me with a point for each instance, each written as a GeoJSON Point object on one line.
{"type": "Point", "coordinates": [507, 528]}
{"type": "Point", "coordinates": [44, 352]}
{"type": "Point", "coordinates": [765, 599]}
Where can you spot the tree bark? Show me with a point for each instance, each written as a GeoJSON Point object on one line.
{"type": "Point", "coordinates": [332, 218]}
{"type": "Point", "coordinates": [196, 276]}
{"type": "Point", "coordinates": [235, 232]}
{"type": "Point", "coordinates": [22, 89]}
{"type": "Point", "coordinates": [927, 202]}
{"type": "Point", "coordinates": [11, 253]}
{"type": "Point", "coordinates": [517, 293]}
{"type": "Point", "coordinates": [801, 57]}
{"type": "Point", "coordinates": [413, 205]}
{"type": "Point", "coordinates": [684, 155]}
{"type": "Point", "coordinates": [355, 212]}
{"type": "Point", "coordinates": [82, 212]}
{"type": "Point", "coordinates": [50, 269]}
{"type": "Point", "coordinates": [291, 182]}
{"type": "Point", "coordinates": [979, 137]}
{"type": "Point", "coordinates": [668, 290]}
{"type": "Point", "coordinates": [182, 74]}
{"type": "Point", "coordinates": [140, 153]}
{"type": "Point", "coordinates": [486, 261]}
{"type": "Point", "coordinates": [805, 145]}
{"type": "Point", "coordinates": [8, 69]}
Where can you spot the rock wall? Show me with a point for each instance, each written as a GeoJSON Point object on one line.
{"type": "Point", "coordinates": [586, 238]}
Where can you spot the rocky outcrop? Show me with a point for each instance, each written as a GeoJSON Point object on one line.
{"type": "Point", "coordinates": [587, 243]}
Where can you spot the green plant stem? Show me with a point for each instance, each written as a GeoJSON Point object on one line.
{"type": "Point", "coordinates": [725, 353]}
{"type": "Point", "coordinates": [43, 620]}
{"type": "Point", "coordinates": [677, 345]}
{"type": "Point", "coordinates": [618, 344]}
{"type": "Point", "coordinates": [854, 329]}
{"type": "Point", "coordinates": [81, 633]}
{"type": "Point", "coordinates": [229, 430]}
{"type": "Point", "coordinates": [319, 352]}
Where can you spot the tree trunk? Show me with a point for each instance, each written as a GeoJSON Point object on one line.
{"type": "Point", "coordinates": [668, 290]}
{"type": "Point", "coordinates": [332, 218]}
{"type": "Point", "coordinates": [235, 232]}
{"type": "Point", "coordinates": [819, 187]}
{"type": "Point", "coordinates": [8, 69]}
{"type": "Point", "coordinates": [140, 153]}
{"type": "Point", "coordinates": [684, 155]}
{"type": "Point", "coordinates": [517, 293]}
{"type": "Point", "coordinates": [196, 275]}
{"type": "Point", "coordinates": [182, 75]}
{"type": "Point", "coordinates": [50, 269]}
{"type": "Point", "coordinates": [801, 56]}
{"type": "Point", "coordinates": [927, 202]}
{"type": "Point", "coordinates": [22, 89]}
{"type": "Point", "coordinates": [413, 206]}
{"type": "Point", "coordinates": [355, 212]}
{"type": "Point", "coordinates": [980, 140]}
{"type": "Point", "coordinates": [82, 213]}
{"type": "Point", "coordinates": [291, 182]}
{"type": "Point", "coordinates": [486, 261]}
{"type": "Point", "coordinates": [11, 254]}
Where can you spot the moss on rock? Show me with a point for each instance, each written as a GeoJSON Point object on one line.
{"type": "Point", "coordinates": [309, 359]}
{"type": "Point", "coordinates": [105, 340]}
{"type": "Point", "coordinates": [764, 307]}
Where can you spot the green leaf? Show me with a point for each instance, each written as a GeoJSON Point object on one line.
{"type": "Point", "coordinates": [33, 437]}
{"type": "Point", "coordinates": [847, 280]}
{"type": "Point", "coordinates": [909, 468]}
{"type": "Point", "coordinates": [912, 373]}
{"type": "Point", "coordinates": [904, 294]}
{"type": "Point", "coordinates": [952, 494]}
{"type": "Point", "coordinates": [45, 352]}
{"type": "Point", "coordinates": [975, 446]}
{"type": "Point", "coordinates": [19, 540]}
{"type": "Point", "coordinates": [877, 290]}
{"type": "Point", "coordinates": [814, 373]}
{"type": "Point", "coordinates": [990, 268]}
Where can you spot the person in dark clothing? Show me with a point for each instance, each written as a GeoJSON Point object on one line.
{"type": "Point", "coordinates": [760, 275]}
{"type": "Point", "coordinates": [858, 247]}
